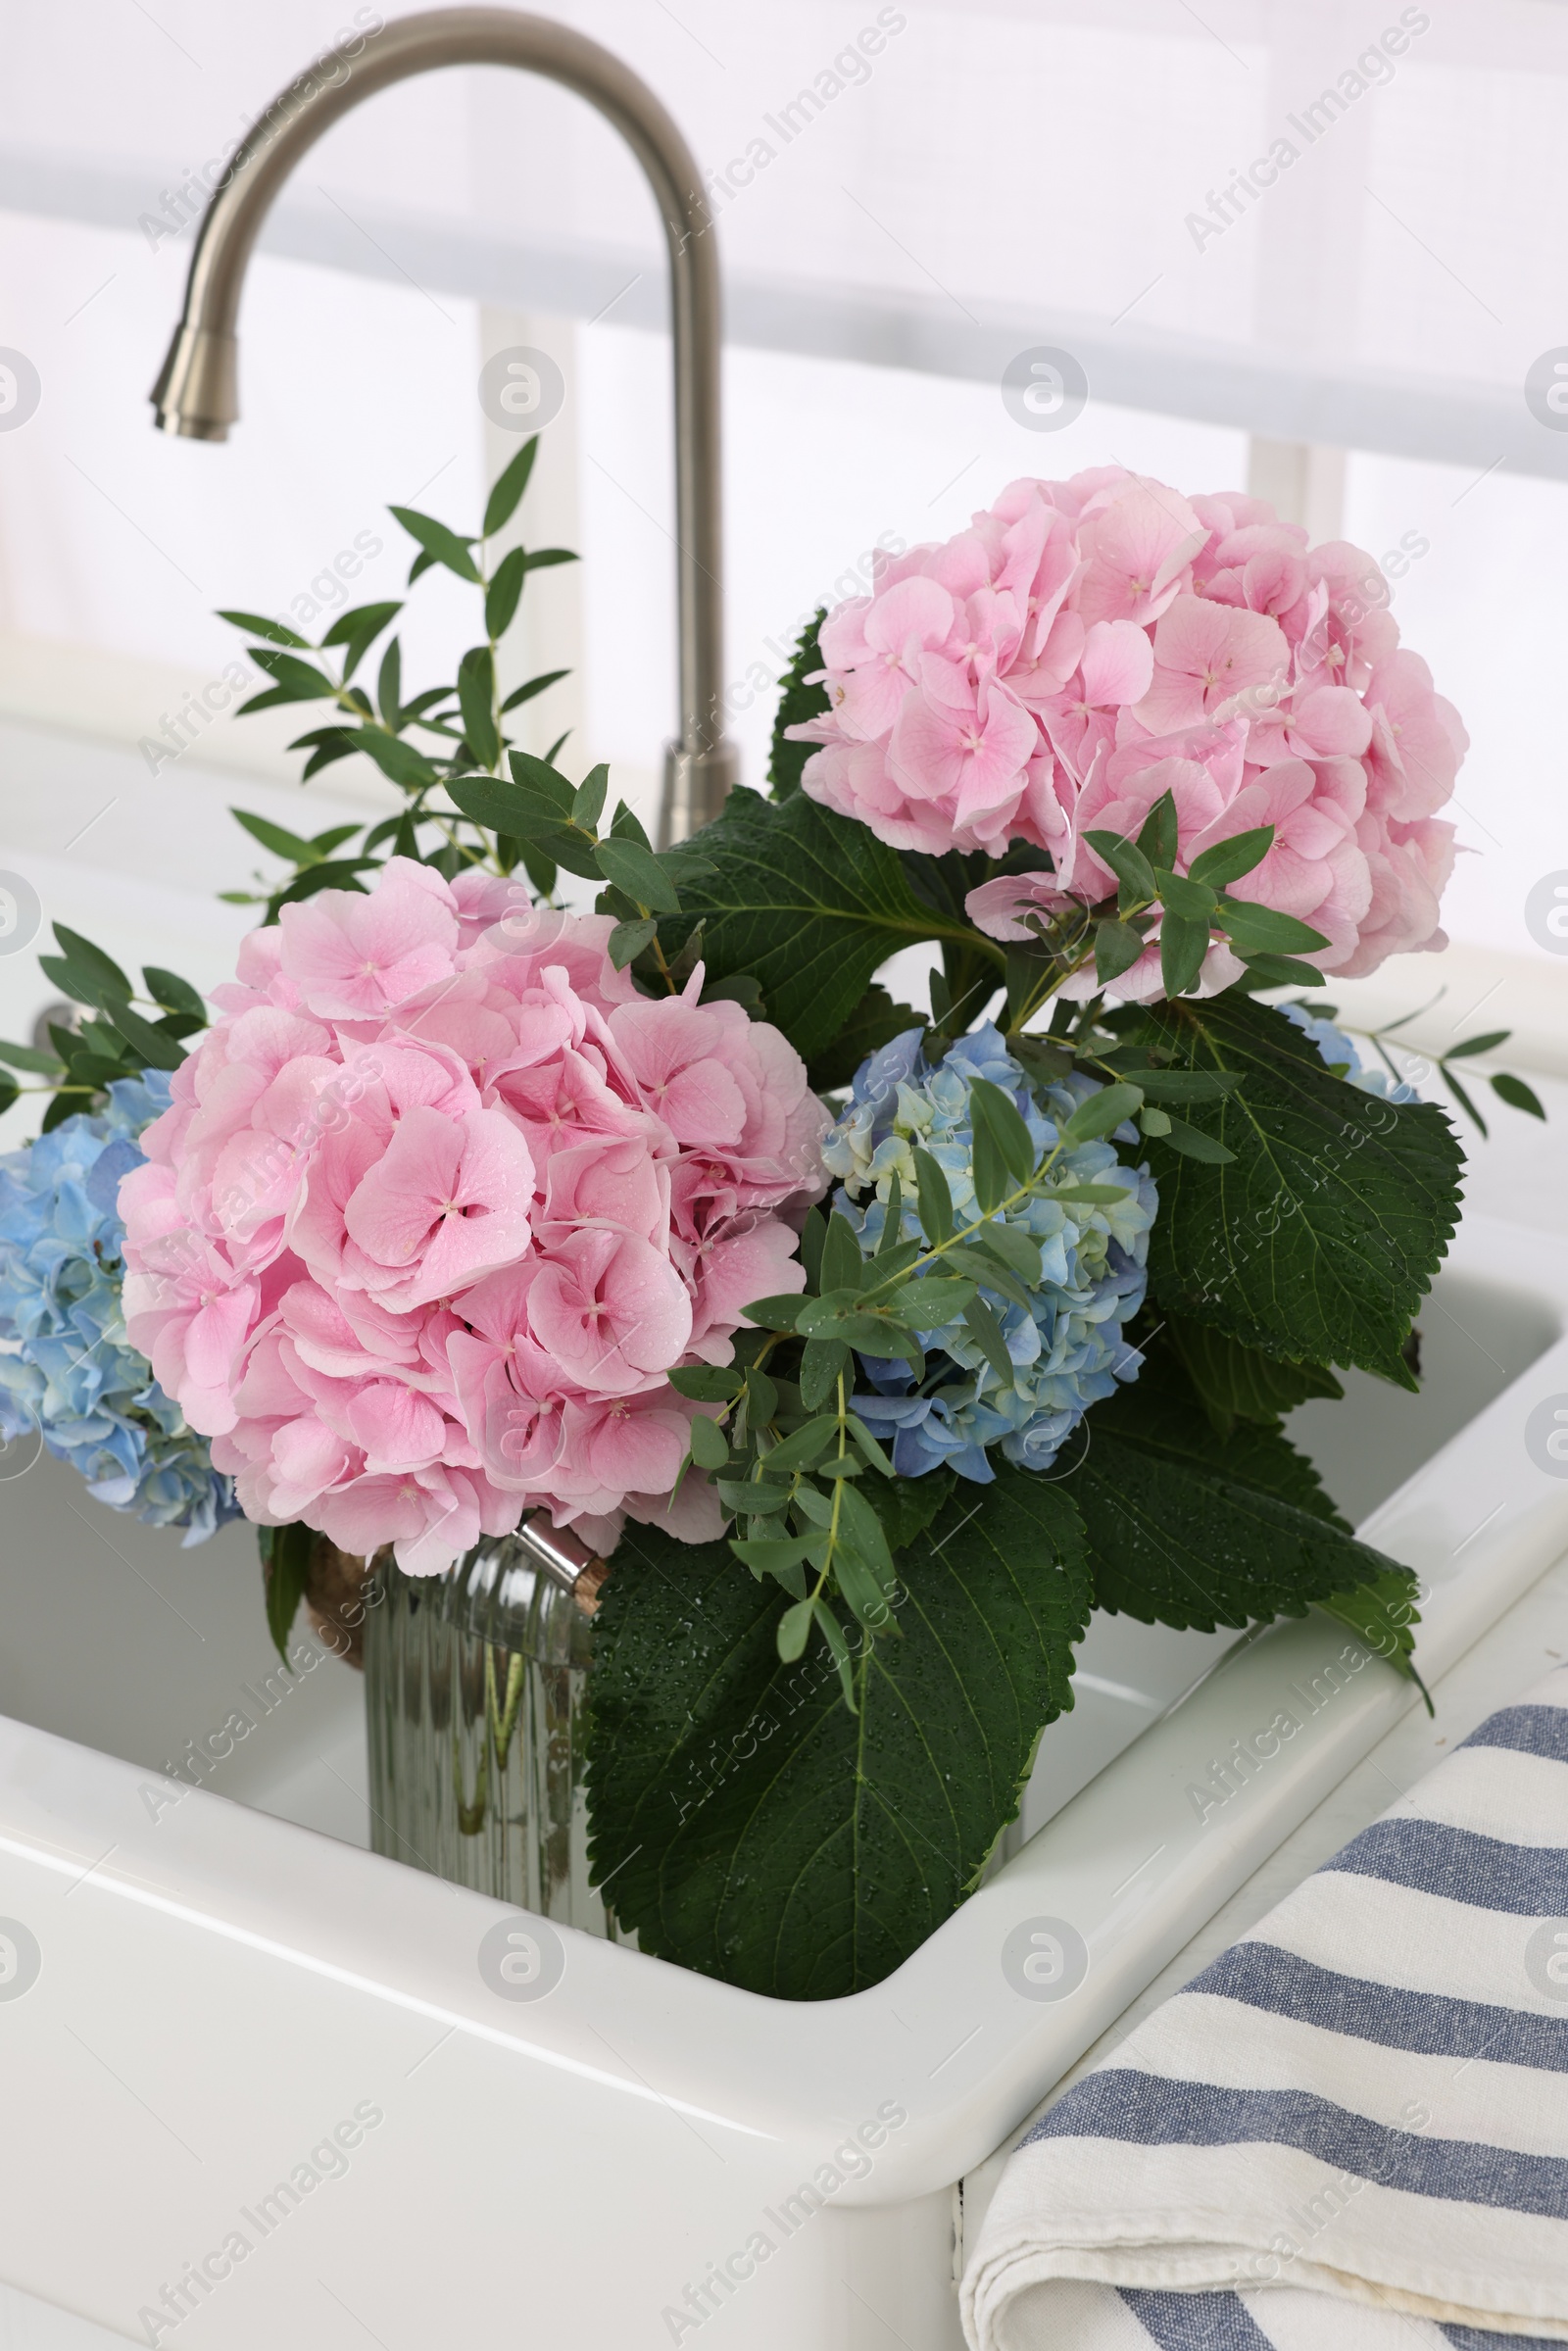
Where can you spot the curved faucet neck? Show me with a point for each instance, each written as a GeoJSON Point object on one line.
{"type": "Point", "coordinates": [196, 393]}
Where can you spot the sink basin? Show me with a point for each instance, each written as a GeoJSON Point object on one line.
{"type": "Point", "coordinates": [272, 2066]}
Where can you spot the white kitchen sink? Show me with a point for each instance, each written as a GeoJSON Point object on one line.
{"type": "Point", "coordinates": [224, 1980]}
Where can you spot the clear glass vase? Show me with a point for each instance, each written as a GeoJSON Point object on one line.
{"type": "Point", "coordinates": [476, 1691]}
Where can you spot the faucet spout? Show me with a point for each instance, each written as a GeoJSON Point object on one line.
{"type": "Point", "coordinates": [196, 394]}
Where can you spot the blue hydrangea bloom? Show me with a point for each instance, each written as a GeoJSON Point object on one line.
{"type": "Point", "coordinates": [1067, 1350]}
{"type": "Point", "coordinates": [65, 1367]}
{"type": "Point", "coordinates": [1340, 1055]}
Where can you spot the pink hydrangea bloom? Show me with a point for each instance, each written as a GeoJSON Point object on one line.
{"type": "Point", "coordinates": [1085, 646]}
{"type": "Point", "coordinates": [441, 1201]}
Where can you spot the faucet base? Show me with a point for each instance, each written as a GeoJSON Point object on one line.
{"type": "Point", "coordinates": [697, 784]}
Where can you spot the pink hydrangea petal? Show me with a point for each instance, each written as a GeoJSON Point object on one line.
{"type": "Point", "coordinates": [355, 955]}
{"type": "Point", "coordinates": [1330, 722]}
{"type": "Point", "coordinates": [1118, 662]}
{"type": "Point", "coordinates": [693, 1516]}
{"type": "Point", "coordinates": [393, 1428]}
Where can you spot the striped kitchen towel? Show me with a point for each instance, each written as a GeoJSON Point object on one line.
{"type": "Point", "coordinates": [1350, 2132]}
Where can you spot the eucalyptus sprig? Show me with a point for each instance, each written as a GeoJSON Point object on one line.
{"type": "Point", "coordinates": [1193, 911]}
{"type": "Point", "coordinates": [556, 823]}
{"type": "Point", "coordinates": [117, 1040]}
{"type": "Point", "coordinates": [491, 805]}
{"type": "Point", "coordinates": [787, 1450]}
{"type": "Point", "coordinates": [463, 724]}
{"type": "Point", "coordinates": [1196, 907]}
{"type": "Point", "coordinates": [1504, 1084]}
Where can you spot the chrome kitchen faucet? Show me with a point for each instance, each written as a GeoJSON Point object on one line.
{"type": "Point", "coordinates": [196, 394]}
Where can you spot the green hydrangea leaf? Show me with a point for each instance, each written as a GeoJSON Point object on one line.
{"type": "Point", "coordinates": [286, 1569]}
{"type": "Point", "coordinates": [1319, 1239]}
{"type": "Point", "coordinates": [808, 903]}
{"type": "Point", "coordinates": [875, 1021]}
{"type": "Point", "coordinates": [1239, 1383]}
{"type": "Point", "coordinates": [1191, 1528]}
{"type": "Point", "coordinates": [798, 702]}
{"type": "Point", "coordinates": [809, 1861]}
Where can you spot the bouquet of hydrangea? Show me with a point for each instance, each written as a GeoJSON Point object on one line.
{"type": "Point", "coordinates": [877, 1349]}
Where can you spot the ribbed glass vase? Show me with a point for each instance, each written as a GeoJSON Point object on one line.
{"type": "Point", "coordinates": [476, 1692]}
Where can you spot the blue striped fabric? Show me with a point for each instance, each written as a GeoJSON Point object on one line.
{"type": "Point", "coordinates": [1489, 1872]}
{"type": "Point", "coordinates": [1149, 2111]}
{"type": "Point", "coordinates": [1527, 1730]}
{"type": "Point", "coordinates": [1432, 2023]}
{"type": "Point", "coordinates": [1487, 2339]}
{"type": "Point", "coordinates": [1366, 2101]}
{"type": "Point", "coordinates": [1194, 2321]}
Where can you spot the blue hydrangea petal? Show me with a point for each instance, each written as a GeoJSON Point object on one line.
{"type": "Point", "coordinates": [1338, 1053]}
{"type": "Point", "coordinates": [66, 1366]}
{"type": "Point", "coordinates": [1068, 1350]}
